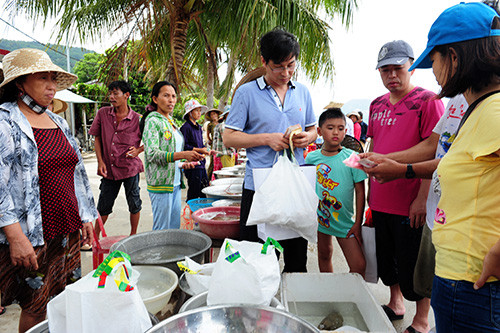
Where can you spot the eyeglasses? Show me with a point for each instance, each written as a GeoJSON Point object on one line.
{"type": "Point", "coordinates": [289, 68]}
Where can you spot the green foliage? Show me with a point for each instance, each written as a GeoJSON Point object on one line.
{"type": "Point", "coordinates": [87, 69]}
{"type": "Point", "coordinates": [76, 53]}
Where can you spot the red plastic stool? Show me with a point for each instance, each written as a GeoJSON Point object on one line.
{"type": "Point", "coordinates": [100, 247]}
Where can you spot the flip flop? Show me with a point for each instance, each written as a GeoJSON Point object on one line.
{"type": "Point", "coordinates": [412, 329]}
{"type": "Point", "coordinates": [3, 311]}
{"type": "Point", "coordinates": [391, 314]}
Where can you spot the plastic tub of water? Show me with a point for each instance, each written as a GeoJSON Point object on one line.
{"type": "Point", "coordinates": [313, 296]}
{"type": "Point", "coordinates": [165, 247]}
{"type": "Point", "coordinates": [219, 222]}
{"type": "Point", "coordinates": [155, 285]}
{"type": "Point", "coordinates": [200, 300]}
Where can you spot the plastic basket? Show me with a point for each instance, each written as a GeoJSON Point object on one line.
{"type": "Point", "coordinates": [198, 203]}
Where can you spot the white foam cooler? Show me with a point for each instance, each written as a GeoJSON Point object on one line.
{"type": "Point", "coordinates": [309, 293]}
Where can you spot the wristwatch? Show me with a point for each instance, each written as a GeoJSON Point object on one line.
{"type": "Point", "coordinates": [409, 171]}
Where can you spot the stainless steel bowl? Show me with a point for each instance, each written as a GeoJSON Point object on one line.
{"type": "Point", "coordinates": [200, 300]}
{"type": "Point", "coordinates": [234, 319]}
{"type": "Point", "coordinates": [195, 242]}
{"type": "Point", "coordinates": [43, 327]}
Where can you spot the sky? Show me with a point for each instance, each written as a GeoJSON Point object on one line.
{"type": "Point", "coordinates": [354, 51]}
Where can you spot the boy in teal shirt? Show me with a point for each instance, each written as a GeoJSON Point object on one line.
{"type": "Point", "coordinates": [335, 187]}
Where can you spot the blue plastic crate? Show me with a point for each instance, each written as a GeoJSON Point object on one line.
{"type": "Point", "coordinates": [195, 204]}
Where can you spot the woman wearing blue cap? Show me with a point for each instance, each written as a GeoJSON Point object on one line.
{"type": "Point", "coordinates": [464, 52]}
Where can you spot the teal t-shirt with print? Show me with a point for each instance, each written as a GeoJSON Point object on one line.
{"type": "Point", "coordinates": [335, 189]}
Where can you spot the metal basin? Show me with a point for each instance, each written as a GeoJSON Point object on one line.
{"type": "Point", "coordinates": [200, 300]}
{"type": "Point", "coordinates": [43, 327]}
{"type": "Point", "coordinates": [165, 247]}
{"type": "Point", "coordinates": [234, 319]}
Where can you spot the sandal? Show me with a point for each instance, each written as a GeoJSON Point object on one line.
{"type": "Point", "coordinates": [391, 314]}
{"type": "Point", "coordinates": [3, 310]}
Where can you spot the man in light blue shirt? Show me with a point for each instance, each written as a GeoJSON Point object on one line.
{"type": "Point", "coordinates": [261, 112]}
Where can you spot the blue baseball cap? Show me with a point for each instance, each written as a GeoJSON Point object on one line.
{"type": "Point", "coordinates": [462, 22]}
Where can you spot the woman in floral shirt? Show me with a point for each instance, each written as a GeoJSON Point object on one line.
{"type": "Point", "coordinates": [163, 145]}
{"type": "Point", "coordinates": [45, 196]}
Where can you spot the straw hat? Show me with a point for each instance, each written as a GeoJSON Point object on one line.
{"type": "Point", "coordinates": [59, 106]}
{"type": "Point", "coordinates": [213, 110]}
{"type": "Point", "coordinates": [191, 105]}
{"type": "Point", "coordinates": [29, 61]}
{"type": "Point", "coordinates": [354, 113]}
{"type": "Point", "coordinates": [334, 105]}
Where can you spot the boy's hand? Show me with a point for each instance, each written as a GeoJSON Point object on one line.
{"type": "Point", "coordinates": [356, 231]}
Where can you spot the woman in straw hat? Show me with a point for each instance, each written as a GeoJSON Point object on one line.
{"type": "Point", "coordinates": [463, 50]}
{"type": "Point", "coordinates": [45, 196]}
{"type": "Point", "coordinates": [193, 135]}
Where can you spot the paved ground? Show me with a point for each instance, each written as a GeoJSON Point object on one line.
{"type": "Point", "coordinates": [118, 224]}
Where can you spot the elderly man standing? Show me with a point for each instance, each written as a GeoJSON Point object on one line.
{"type": "Point", "coordinates": [399, 120]}
{"type": "Point", "coordinates": [261, 112]}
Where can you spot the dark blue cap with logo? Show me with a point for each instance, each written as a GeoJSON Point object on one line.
{"type": "Point", "coordinates": [396, 52]}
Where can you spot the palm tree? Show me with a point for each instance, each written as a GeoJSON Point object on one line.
{"type": "Point", "coordinates": [205, 30]}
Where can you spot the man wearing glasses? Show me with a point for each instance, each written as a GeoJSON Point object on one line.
{"type": "Point", "coordinates": [261, 112]}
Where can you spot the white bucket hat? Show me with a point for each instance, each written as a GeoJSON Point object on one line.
{"type": "Point", "coordinates": [191, 105]}
{"type": "Point", "coordinates": [30, 61]}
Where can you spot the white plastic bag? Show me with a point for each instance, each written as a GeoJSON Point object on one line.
{"type": "Point", "coordinates": [95, 303]}
{"type": "Point", "coordinates": [287, 199]}
{"type": "Point", "coordinates": [370, 253]}
{"type": "Point", "coordinates": [197, 276]}
{"type": "Point", "coordinates": [245, 273]}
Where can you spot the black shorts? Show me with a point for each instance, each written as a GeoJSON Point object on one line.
{"type": "Point", "coordinates": [109, 191]}
{"type": "Point", "coordinates": [397, 251]}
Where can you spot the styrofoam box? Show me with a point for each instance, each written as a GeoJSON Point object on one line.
{"type": "Point", "coordinates": [300, 292]}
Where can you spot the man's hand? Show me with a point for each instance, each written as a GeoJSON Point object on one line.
{"type": "Point", "coordinates": [418, 212]}
{"type": "Point", "coordinates": [301, 140]}
{"type": "Point", "coordinates": [101, 169]}
{"type": "Point", "coordinates": [133, 152]}
{"type": "Point", "coordinates": [491, 266]}
{"type": "Point", "coordinates": [277, 141]}
{"type": "Point", "coordinates": [87, 233]}
{"type": "Point", "coordinates": [22, 253]}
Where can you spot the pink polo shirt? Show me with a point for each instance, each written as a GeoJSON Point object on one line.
{"type": "Point", "coordinates": [116, 139]}
{"type": "Point", "coordinates": [399, 127]}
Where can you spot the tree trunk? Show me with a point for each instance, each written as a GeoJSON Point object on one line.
{"type": "Point", "coordinates": [179, 26]}
{"type": "Point", "coordinates": [230, 74]}
{"type": "Point", "coordinates": [211, 74]}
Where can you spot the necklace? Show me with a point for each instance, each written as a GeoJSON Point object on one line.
{"type": "Point", "coordinates": [30, 102]}
{"type": "Point", "coordinates": [331, 151]}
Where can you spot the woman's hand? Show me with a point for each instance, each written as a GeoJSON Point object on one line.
{"type": "Point", "coordinates": [22, 253]}
{"type": "Point", "coordinates": [21, 250]}
{"type": "Point", "coordinates": [87, 233]}
{"type": "Point", "coordinates": [491, 265]}
{"type": "Point", "coordinates": [203, 151]}
{"type": "Point", "coordinates": [193, 155]}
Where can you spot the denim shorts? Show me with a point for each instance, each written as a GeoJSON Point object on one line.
{"type": "Point", "coordinates": [109, 191]}
{"type": "Point", "coordinates": [459, 308]}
